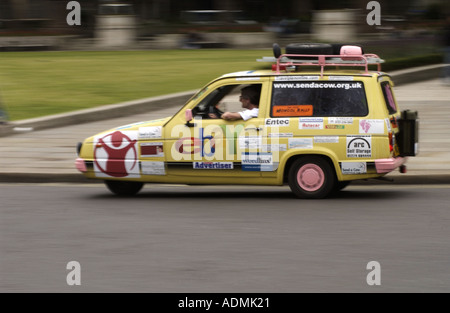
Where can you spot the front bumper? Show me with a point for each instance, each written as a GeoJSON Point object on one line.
{"type": "Point", "coordinates": [388, 165]}
{"type": "Point", "coordinates": [81, 165]}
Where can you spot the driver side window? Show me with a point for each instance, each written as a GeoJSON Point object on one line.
{"type": "Point", "coordinates": [220, 100]}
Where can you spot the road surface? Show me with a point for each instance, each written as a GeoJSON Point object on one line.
{"type": "Point", "coordinates": [223, 239]}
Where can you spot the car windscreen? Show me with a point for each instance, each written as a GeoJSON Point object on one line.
{"type": "Point", "coordinates": [318, 98]}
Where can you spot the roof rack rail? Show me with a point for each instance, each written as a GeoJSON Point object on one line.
{"type": "Point", "coordinates": [296, 60]}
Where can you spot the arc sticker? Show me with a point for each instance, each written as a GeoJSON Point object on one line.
{"type": "Point", "coordinates": [359, 146]}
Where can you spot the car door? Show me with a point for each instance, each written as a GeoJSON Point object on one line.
{"type": "Point", "coordinates": [209, 146]}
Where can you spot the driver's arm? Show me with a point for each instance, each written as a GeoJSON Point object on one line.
{"type": "Point", "coordinates": [230, 116]}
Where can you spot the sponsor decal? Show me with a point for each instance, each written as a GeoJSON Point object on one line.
{"type": "Point", "coordinates": [279, 122]}
{"type": "Point", "coordinates": [300, 143]}
{"type": "Point", "coordinates": [258, 162]}
{"type": "Point", "coordinates": [326, 139]}
{"type": "Point", "coordinates": [251, 142]}
{"type": "Point", "coordinates": [371, 127]}
{"type": "Point", "coordinates": [346, 78]}
{"type": "Point", "coordinates": [280, 135]}
{"type": "Point", "coordinates": [273, 147]}
{"type": "Point", "coordinates": [152, 149]}
{"type": "Point", "coordinates": [388, 125]}
{"type": "Point", "coordinates": [292, 110]}
{"type": "Point", "coordinates": [310, 123]}
{"type": "Point", "coordinates": [295, 78]}
{"type": "Point", "coordinates": [335, 126]}
{"type": "Point", "coordinates": [153, 168]}
{"type": "Point", "coordinates": [153, 132]}
{"type": "Point", "coordinates": [359, 146]}
{"type": "Point", "coordinates": [115, 155]}
{"type": "Point", "coordinates": [213, 165]}
{"type": "Point", "coordinates": [351, 168]}
{"type": "Point", "coordinates": [340, 120]}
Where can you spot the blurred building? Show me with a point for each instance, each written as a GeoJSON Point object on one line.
{"type": "Point", "coordinates": [50, 15]}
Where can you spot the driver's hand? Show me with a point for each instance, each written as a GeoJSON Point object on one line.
{"type": "Point", "coordinates": [212, 115]}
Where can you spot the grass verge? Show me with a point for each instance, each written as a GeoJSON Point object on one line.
{"type": "Point", "coordinates": [34, 84]}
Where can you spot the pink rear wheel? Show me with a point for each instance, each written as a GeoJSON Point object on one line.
{"type": "Point", "coordinates": [311, 177]}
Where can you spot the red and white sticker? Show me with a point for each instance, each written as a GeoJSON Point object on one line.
{"type": "Point", "coordinates": [115, 155]}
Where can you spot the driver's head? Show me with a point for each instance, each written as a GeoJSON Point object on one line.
{"type": "Point", "coordinates": [251, 94]}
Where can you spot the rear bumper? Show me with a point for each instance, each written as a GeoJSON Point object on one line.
{"type": "Point", "coordinates": [388, 165]}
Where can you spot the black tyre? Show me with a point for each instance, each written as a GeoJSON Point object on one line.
{"type": "Point", "coordinates": [309, 48]}
{"type": "Point", "coordinates": [124, 188]}
{"type": "Point", "coordinates": [311, 178]}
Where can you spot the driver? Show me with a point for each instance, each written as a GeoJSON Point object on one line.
{"type": "Point", "coordinates": [250, 102]}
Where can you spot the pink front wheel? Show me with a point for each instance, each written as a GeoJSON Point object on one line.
{"type": "Point", "coordinates": [311, 177]}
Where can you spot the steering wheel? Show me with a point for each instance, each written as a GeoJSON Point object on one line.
{"type": "Point", "coordinates": [213, 110]}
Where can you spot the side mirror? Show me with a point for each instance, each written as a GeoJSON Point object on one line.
{"type": "Point", "coordinates": [188, 114]}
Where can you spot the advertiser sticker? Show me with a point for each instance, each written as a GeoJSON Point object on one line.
{"type": "Point", "coordinates": [334, 126]}
{"type": "Point", "coordinates": [115, 155]}
{"type": "Point", "coordinates": [280, 135]}
{"type": "Point", "coordinates": [153, 132]}
{"type": "Point", "coordinates": [300, 143]}
{"type": "Point", "coordinates": [273, 147]}
{"type": "Point", "coordinates": [341, 78]}
{"type": "Point", "coordinates": [213, 165]}
{"type": "Point", "coordinates": [295, 78]}
{"type": "Point", "coordinates": [258, 162]}
{"type": "Point", "coordinates": [153, 168]}
{"type": "Point", "coordinates": [351, 168]}
{"type": "Point", "coordinates": [326, 139]}
{"type": "Point", "coordinates": [277, 122]}
{"type": "Point", "coordinates": [251, 142]}
{"type": "Point", "coordinates": [371, 126]}
{"type": "Point", "coordinates": [340, 120]}
{"type": "Point", "coordinates": [310, 123]}
{"type": "Point", "coordinates": [359, 146]}
{"type": "Point", "coordinates": [292, 110]}
{"type": "Point", "coordinates": [152, 149]}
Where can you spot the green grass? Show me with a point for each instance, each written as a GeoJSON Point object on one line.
{"type": "Point", "coordinates": [35, 84]}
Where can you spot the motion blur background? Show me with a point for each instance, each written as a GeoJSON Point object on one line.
{"type": "Point", "coordinates": [159, 24]}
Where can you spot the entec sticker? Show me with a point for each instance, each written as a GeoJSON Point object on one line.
{"type": "Point", "coordinates": [115, 155]}
{"type": "Point", "coordinates": [359, 146]}
{"type": "Point", "coordinates": [277, 122]}
{"type": "Point", "coordinates": [292, 110]}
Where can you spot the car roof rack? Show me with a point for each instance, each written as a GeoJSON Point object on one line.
{"type": "Point", "coordinates": [295, 61]}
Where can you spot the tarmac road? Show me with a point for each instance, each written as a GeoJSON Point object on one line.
{"type": "Point", "coordinates": [223, 239]}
